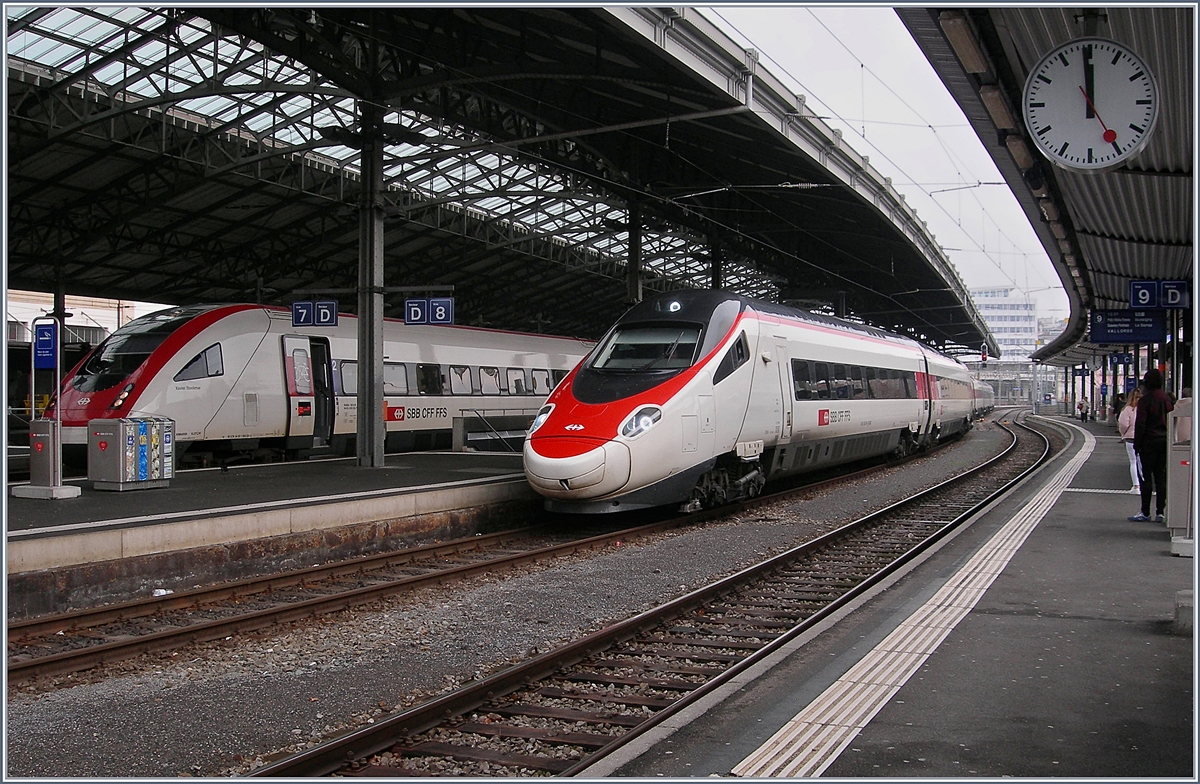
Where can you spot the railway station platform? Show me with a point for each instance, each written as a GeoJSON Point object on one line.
{"type": "Point", "coordinates": [1050, 638]}
{"type": "Point", "coordinates": [252, 514]}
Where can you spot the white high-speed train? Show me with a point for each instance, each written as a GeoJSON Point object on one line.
{"type": "Point", "coordinates": [700, 397]}
{"type": "Point", "coordinates": [240, 379]}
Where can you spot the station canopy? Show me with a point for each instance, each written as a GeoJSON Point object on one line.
{"type": "Point", "coordinates": [550, 165]}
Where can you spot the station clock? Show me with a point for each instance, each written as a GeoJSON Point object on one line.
{"type": "Point", "coordinates": [1090, 104]}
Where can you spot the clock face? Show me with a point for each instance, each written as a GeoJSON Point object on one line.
{"type": "Point", "coordinates": [1090, 104]}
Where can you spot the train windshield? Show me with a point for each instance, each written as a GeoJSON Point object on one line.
{"type": "Point", "coordinates": [125, 350]}
{"type": "Point", "coordinates": [648, 347]}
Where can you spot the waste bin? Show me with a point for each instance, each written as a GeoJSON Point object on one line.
{"type": "Point", "coordinates": [43, 453]}
{"type": "Point", "coordinates": [45, 468]}
{"type": "Point", "coordinates": [131, 454]}
{"type": "Point", "coordinates": [1181, 502]}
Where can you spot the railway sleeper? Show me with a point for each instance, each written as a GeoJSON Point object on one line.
{"type": "Point", "coordinates": [693, 656]}
{"type": "Point", "coordinates": [440, 749]}
{"type": "Point", "coordinates": [669, 667]}
{"type": "Point", "coordinates": [518, 709]}
{"type": "Point", "coordinates": [701, 642]}
{"type": "Point", "coordinates": [755, 620]}
{"type": "Point", "coordinates": [605, 698]}
{"type": "Point", "coordinates": [588, 740]}
{"type": "Point", "coordinates": [676, 684]}
{"type": "Point", "coordinates": [741, 634]}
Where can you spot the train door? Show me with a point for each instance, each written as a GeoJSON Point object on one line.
{"type": "Point", "coordinates": [925, 391]}
{"type": "Point", "coordinates": [310, 391]}
{"type": "Point", "coordinates": [322, 377]}
{"type": "Point", "coordinates": [782, 364]}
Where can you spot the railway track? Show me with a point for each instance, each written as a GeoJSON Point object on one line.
{"type": "Point", "coordinates": [84, 639]}
{"type": "Point", "coordinates": [558, 713]}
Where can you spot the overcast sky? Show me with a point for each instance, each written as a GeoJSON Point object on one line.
{"type": "Point", "coordinates": [860, 71]}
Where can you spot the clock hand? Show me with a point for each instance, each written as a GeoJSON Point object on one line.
{"type": "Point", "coordinates": [1089, 80]}
{"type": "Point", "coordinates": [1110, 135]}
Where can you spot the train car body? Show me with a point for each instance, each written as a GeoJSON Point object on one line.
{"type": "Point", "coordinates": [240, 379]}
{"type": "Point", "coordinates": [699, 397]}
{"type": "Point", "coordinates": [985, 398]}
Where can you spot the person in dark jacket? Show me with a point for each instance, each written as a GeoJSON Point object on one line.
{"type": "Point", "coordinates": [1150, 443]}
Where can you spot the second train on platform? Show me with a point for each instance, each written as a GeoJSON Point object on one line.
{"type": "Point", "coordinates": [700, 397]}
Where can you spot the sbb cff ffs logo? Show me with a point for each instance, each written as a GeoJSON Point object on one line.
{"type": "Point", "coordinates": [827, 417]}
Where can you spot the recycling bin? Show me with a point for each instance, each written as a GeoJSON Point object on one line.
{"type": "Point", "coordinates": [131, 454]}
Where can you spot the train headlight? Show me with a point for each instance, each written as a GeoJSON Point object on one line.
{"type": "Point", "coordinates": [541, 418]}
{"type": "Point", "coordinates": [120, 401]}
{"type": "Point", "coordinates": [642, 420]}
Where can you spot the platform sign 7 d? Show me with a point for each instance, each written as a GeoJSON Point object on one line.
{"type": "Point", "coordinates": [307, 313]}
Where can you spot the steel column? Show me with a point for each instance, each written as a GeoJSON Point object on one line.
{"type": "Point", "coordinates": [371, 431]}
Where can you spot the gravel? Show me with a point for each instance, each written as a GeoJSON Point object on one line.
{"type": "Point", "coordinates": [223, 708]}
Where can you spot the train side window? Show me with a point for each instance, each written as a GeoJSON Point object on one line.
{"type": "Point", "coordinates": [429, 380]}
{"type": "Point", "coordinates": [857, 386]}
{"type": "Point", "coordinates": [206, 364]}
{"type": "Point", "coordinates": [460, 380]}
{"type": "Point", "coordinates": [516, 381]}
{"type": "Point", "coordinates": [802, 379]}
{"type": "Point", "coordinates": [303, 373]}
{"type": "Point", "coordinates": [395, 379]}
{"type": "Point", "coordinates": [841, 382]}
{"type": "Point", "coordinates": [348, 369]}
{"type": "Point", "coordinates": [489, 380]}
{"type": "Point", "coordinates": [541, 381]}
{"type": "Point", "coordinates": [734, 358]}
{"type": "Point", "coordinates": [821, 379]}
{"type": "Point", "coordinates": [870, 385]}
{"type": "Point", "coordinates": [910, 384]}
{"type": "Point", "coordinates": [556, 376]}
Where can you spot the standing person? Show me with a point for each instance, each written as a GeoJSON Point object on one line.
{"type": "Point", "coordinates": [1150, 443]}
{"type": "Point", "coordinates": [1083, 408]}
{"type": "Point", "coordinates": [1125, 423]}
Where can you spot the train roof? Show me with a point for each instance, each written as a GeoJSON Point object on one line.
{"type": "Point", "coordinates": [709, 299]}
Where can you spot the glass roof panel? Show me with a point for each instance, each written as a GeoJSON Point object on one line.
{"type": "Point", "coordinates": [157, 60]}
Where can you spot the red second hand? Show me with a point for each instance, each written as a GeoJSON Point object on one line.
{"type": "Point", "coordinates": [1110, 136]}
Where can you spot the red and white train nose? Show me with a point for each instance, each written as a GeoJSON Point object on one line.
{"type": "Point", "coordinates": [576, 468]}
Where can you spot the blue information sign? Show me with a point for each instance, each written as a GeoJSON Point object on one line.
{"type": "Point", "coordinates": [1120, 358]}
{"type": "Point", "coordinates": [1174, 294]}
{"type": "Point", "coordinates": [303, 314]}
{"type": "Point", "coordinates": [1127, 326]}
{"type": "Point", "coordinates": [441, 310]}
{"type": "Point", "coordinates": [45, 346]}
{"type": "Point", "coordinates": [1143, 294]}
{"type": "Point", "coordinates": [416, 311]}
{"type": "Point", "coordinates": [434, 310]}
{"type": "Point", "coordinates": [325, 314]}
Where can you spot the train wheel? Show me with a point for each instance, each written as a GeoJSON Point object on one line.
{"type": "Point", "coordinates": [905, 447]}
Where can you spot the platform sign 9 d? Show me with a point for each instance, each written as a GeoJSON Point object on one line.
{"type": "Point", "coordinates": [1170, 294]}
